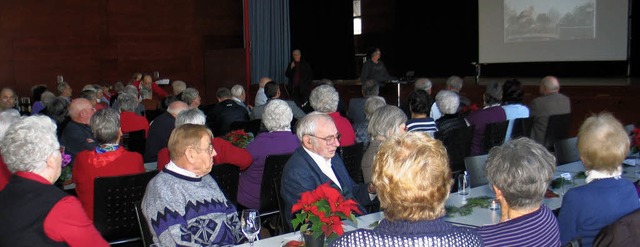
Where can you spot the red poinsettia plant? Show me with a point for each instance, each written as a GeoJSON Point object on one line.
{"type": "Point", "coordinates": [635, 140]}
{"type": "Point", "coordinates": [239, 138]}
{"type": "Point", "coordinates": [322, 211]}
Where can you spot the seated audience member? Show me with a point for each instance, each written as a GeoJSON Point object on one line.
{"type": "Point", "coordinates": [370, 106]}
{"type": "Point", "coordinates": [191, 96]}
{"type": "Point", "coordinates": [552, 102]}
{"type": "Point", "coordinates": [491, 113]}
{"type": "Point", "coordinates": [272, 91]}
{"type": "Point", "coordinates": [8, 99]}
{"type": "Point", "coordinates": [90, 95]}
{"type": "Point", "coordinates": [454, 83]}
{"type": "Point", "coordinates": [520, 172]}
{"type": "Point", "coordinates": [58, 110]}
{"type": "Point", "coordinates": [324, 99]}
{"type": "Point", "coordinates": [512, 103]}
{"type": "Point", "coordinates": [34, 211]}
{"type": "Point", "coordinates": [183, 204]}
{"type": "Point", "coordinates": [261, 98]}
{"type": "Point", "coordinates": [423, 84]}
{"type": "Point", "coordinates": [226, 112]}
{"type": "Point", "coordinates": [356, 105]}
{"type": "Point", "coordinates": [419, 106]}
{"type": "Point", "coordinates": [147, 84]}
{"type": "Point", "coordinates": [412, 177]}
{"type": "Point", "coordinates": [65, 91]}
{"type": "Point", "coordinates": [129, 120]}
{"type": "Point", "coordinates": [237, 91]}
{"type": "Point", "coordinates": [46, 98]}
{"type": "Point", "coordinates": [315, 162]}
{"type": "Point", "coordinates": [160, 129]}
{"type": "Point", "coordinates": [133, 91]}
{"type": "Point", "coordinates": [178, 86]}
{"type": "Point", "coordinates": [77, 136]}
{"type": "Point", "coordinates": [7, 118]}
{"type": "Point", "coordinates": [36, 94]}
{"type": "Point", "coordinates": [448, 102]}
{"type": "Point", "coordinates": [279, 140]}
{"type": "Point", "coordinates": [603, 144]}
{"type": "Point", "coordinates": [227, 152]}
{"type": "Point", "coordinates": [386, 121]}
{"type": "Point", "coordinates": [106, 160]}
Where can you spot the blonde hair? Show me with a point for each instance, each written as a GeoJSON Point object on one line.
{"type": "Point", "coordinates": [185, 136]}
{"type": "Point", "coordinates": [412, 177]}
{"type": "Point", "coordinates": [602, 142]}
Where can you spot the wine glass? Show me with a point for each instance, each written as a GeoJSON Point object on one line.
{"type": "Point", "coordinates": [250, 222]}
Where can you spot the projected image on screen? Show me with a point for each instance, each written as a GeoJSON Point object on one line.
{"type": "Point", "coordinates": [548, 20]}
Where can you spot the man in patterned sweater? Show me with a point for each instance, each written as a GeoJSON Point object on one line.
{"type": "Point", "coordinates": [183, 205]}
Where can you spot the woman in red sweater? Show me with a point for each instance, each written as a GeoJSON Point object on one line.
{"type": "Point", "coordinates": [107, 159]}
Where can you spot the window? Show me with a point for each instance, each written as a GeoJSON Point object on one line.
{"type": "Point", "coordinates": [357, 19]}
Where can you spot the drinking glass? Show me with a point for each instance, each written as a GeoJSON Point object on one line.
{"type": "Point", "coordinates": [463, 184]}
{"type": "Point", "coordinates": [250, 222]}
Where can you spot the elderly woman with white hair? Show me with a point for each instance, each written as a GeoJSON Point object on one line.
{"type": "Point", "coordinates": [603, 145]}
{"type": "Point", "coordinates": [386, 121]}
{"type": "Point", "coordinates": [325, 99]}
{"type": "Point", "coordinates": [226, 152]}
{"type": "Point", "coordinates": [191, 96]}
{"type": "Point", "coordinates": [448, 103]}
{"type": "Point", "coordinates": [277, 118]}
{"type": "Point", "coordinates": [129, 120]}
{"type": "Point", "coordinates": [7, 118]}
{"type": "Point", "coordinates": [371, 104]}
{"type": "Point", "coordinates": [34, 211]}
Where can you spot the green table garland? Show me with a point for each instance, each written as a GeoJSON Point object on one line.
{"type": "Point", "coordinates": [467, 209]}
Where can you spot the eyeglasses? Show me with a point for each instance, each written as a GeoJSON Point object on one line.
{"type": "Point", "coordinates": [209, 149]}
{"type": "Point", "coordinates": [62, 149]}
{"type": "Point", "coordinates": [329, 139]}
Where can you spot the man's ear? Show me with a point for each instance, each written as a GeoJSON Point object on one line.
{"type": "Point", "coordinates": [189, 154]}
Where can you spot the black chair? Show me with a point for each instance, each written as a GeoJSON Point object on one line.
{"type": "Point", "coordinates": [135, 141]}
{"type": "Point", "coordinates": [475, 168]}
{"type": "Point", "coordinates": [227, 177]}
{"type": "Point", "coordinates": [458, 144]}
{"type": "Point", "coordinates": [557, 129]}
{"type": "Point", "coordinates": [494, 134]}
{"type": "Point", "coordinates": [252, 126]}
{"type": "Point", "coordinates": [147, 238]}
{"type": "Point", "coordinates": [521, 128]}
{"type": "Point", "coordinates": [270, 201]}
{"type": "Point", "coordinates": [352, 158]}
{"type": "Point", "coordinates": [114, 213]}
{"type": "Point", "coordinates": [566, 151]}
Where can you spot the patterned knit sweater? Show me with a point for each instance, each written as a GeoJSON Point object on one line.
{"type": "Point", "coordinates": [186, 211]}
{"type": "Point", "coordinates": [404, 233]}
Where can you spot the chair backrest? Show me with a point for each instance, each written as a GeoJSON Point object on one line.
{"type": "Point", "coordinates": [251, 126]}
{"type": "Point", "coordinates": [269, 193]}
{"type": "Point", "coordinates": [557, 128]}
{"type": "Point", "coordinates": [475, 169]}
{"type": "Point", "coordinates": [283, 226]}
{"type": "Point", "coordinates": [629, 128]}
{"type": "Point", "coordinates": [227, 177]}
{"type": "Point", "coordinates": [134, 141]}
{"type": "Point", "coordinates": [494, 134]}
{"type": "Point", "coordinates": [147, 238]}
{"type": "Point", "coordinates": [114, 205]}
{"type": "Point", "coordinates": [521, 127]}
{"type": "Point", "coordinates": [352, 158]}
{"type": "Point", "coordinates": [566, 150]}
{"type": "Point", "coordinates": [458, 145]}
{"type": "Point", "coordinates": [622, 232]}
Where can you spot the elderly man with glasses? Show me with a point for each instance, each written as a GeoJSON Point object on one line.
{"type": "Point", "coordinates": [316, 163]}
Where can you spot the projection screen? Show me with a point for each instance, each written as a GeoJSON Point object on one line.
{"type": "Point", "coordinates": [512, 31]}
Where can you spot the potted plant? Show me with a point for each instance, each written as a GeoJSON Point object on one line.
{"type": "Point", "coordinates": [239, 138]}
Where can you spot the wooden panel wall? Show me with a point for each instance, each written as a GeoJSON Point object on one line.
{"type": "Point", "coordinates": [108, 40]}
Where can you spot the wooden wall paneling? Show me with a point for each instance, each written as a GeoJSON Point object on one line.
{"type": "Point", "coordinates": [223, 68]}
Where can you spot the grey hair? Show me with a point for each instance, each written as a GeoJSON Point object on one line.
{"type": "Point", "coordinates": [127, 102]}
{"type": "Point", "coordinates": [47, 97]}
{"type": "Point", "coordinates": [422, 84]}
{"type": "Point", "coordinates": [7, 118]}
{"type": "Point", "coordinates": [493, 93]}
{"type": "Point", "coordinates": [89, 95]}
{"type": "Point", "coordinates": [89, 87]}
{"type": "Point", "coordinates": [105, 126]}
{"type": "Point", "coordinates": [28, 143]}
{"type": "Point", "coordinates": [277, 115]}
{"type": "Point", "coordinates": [189, 95]}
{"type": "Point", "coordinates": [522, 170]}
{"type": "Point", "coordinates": [178, 86]}
{"type": "Point", "coordinates": [191, 116]}
{"type": "Point", "coordinates": [324, 99]}
{"type": "Point", "coordinates": [370, 88]}
{"type": "Point", "coordinates": [447, 101]}
{"type": "Point", "coordinates": [455, 83]}
{"type": "Point", "coordinates": [307, 125]}
{"type": "Point", "coordinates": [372, 104]}
{"type": "Point", "coordinates": [385, 122]}
{"type": "Point", "coordinates": [61, 86]}
{"type": "Point", "coordinates": [131, 89]}
{"type": "Point", "coordinates": [237, 90]}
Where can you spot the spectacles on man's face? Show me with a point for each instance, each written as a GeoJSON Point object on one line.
{"type": "Point", "coordinates": [208, 149]}
{"type": "Point", "coordinates": [329, 139]}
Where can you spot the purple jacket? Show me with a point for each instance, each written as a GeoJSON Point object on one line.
{"type": "Point", "coordinates": [277, 142]}
{"type": "Point", "coordinates": [481, 119]}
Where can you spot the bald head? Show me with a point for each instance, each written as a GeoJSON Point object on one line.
{"type": "Point", "coordinates": [176, 107]}
{"type": "Point", "coordinates": [81, 110]}
{"type": "Point", "coordinates": [263, 81]}
{"type": "Point", "coordinates": [549, 84]}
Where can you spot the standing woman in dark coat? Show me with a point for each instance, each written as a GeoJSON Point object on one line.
{"type": "Point", "coordinates": [300, 76]}
{"type": "Point", "coordinates": [374, 69]}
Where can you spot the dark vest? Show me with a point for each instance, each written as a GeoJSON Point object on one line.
{"type": "Point", "coordinates": [24, 204]}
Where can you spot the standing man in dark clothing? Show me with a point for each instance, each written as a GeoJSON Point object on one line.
{"type": "Point", "coordinates": [374, 69]}
{"type": "Point", "coordinates": [300, 76]}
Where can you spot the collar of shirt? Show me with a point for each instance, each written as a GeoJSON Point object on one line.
{"type": "Point", "coordinates": [175, 168]}
{"type": "Point", "coordinates": [325, 166]}
{"type": "Point", "coordinates": [237, 100]}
